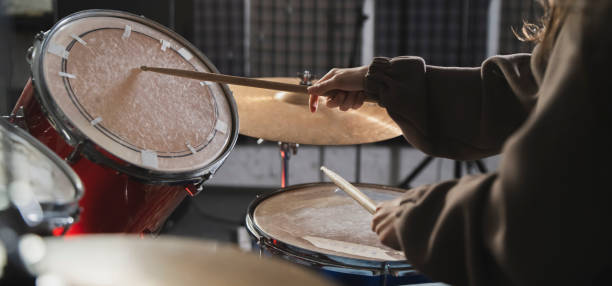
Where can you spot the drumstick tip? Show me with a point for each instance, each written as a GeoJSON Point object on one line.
{"type": "Point", "coordinates": [327, 172]}
{"type": "Point", "coordinates": [351, 190]}
{"type": "Point", "coordinates": [144, 68]}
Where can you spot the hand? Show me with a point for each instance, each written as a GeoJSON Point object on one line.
{"type": "Point", "coordinates": [344, 88]}
{"type": "Point", "coordinates": [383, 223]}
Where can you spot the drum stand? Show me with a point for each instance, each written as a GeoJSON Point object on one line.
{"type": "Point", "coordinates": [286, 149]}
{"type": "Point", "coordinates": [405, 184]}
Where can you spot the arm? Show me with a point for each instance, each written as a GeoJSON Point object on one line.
{"type": "Point", "coordinates": [458, 113]}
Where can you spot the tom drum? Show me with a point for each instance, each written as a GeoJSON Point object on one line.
{"type": "Point", "coordinates": [139, 141]}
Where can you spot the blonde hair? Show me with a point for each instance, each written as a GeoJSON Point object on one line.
{"type": "Point", "coordinates": [545, 30]}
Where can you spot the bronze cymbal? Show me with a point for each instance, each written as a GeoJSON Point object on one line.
{"type": "Point", "coordinates": [130, 260]}
{"type": "Point", "coordinates": [285, 117]}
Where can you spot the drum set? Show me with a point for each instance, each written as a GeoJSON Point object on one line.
{"type": "Point", "coordinates": [95, 146]}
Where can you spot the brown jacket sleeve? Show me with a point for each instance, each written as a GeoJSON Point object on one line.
{"type": "Point", "coordinates": [458, 113]}
{"type": "Point", "coordinates": [544, 218]}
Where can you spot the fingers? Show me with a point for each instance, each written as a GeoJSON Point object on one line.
{"type": "Point", "coordinates": [313, 102]}
{"type": "Point", "coordinates": [388, 237]}
{"type": "Point", "coordinates": [349, 100]}
{"type": "Point", "coordinates": [384, 210]}
{"type": "Point", "coordinates": [329, 74]}
{"type": "Point", "coordinates": [342, 87]}
{"type": "Point", "coordinates": [384, 226]}
{"type": "Point", "coordinates": [384, 223]}
{"type": "Point", "coordinates": [379, 216]}
{"type": "Point", "coordinates": [323, 86]}
{"type": "Point", "coordinates": [359, 99]}
{"type": "Point", "coordinates": [336, 99]}
{"type": "Point", "coordinates": [345, 100]}
{"type": "Point", "coordinates": [379, 206]}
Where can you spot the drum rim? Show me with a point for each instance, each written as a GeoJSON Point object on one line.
{"type": "Point", "coordinates": [319, 258]}
{"type": "Point", "coordinates": [75, 138]}
{"type": "Point", "coordinates": [52, 210]}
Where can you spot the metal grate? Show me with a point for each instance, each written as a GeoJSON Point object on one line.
{"type": "Point", "coordinates": [443, 32]}
{"type": "Point", "coordinates": [288, 36]}
{"type": "Point", "coordinates": [219, 33]}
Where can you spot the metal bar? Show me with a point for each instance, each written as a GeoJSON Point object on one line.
{"type": "Point", "coordinates": [406, 183]}
{"type": "Point", "coordinates": [481, 166]}
{"type": "Point", "coordinates": [358, 163]}
{"type": "Point", "coordinates": [285, 155]}
{"type": "Point", "coordinates": [457, 169]}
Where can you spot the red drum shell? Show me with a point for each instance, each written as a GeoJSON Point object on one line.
{"type": "Point", "coordinates": [112, 202]}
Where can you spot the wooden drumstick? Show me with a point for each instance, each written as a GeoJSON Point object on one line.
{"type": "Point", "coordinates": [355, 193]}
{"type": "Point", "coordinates": [236, 80]}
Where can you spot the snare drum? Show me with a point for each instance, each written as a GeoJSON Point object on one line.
{"type": "Point", "coordinates": [38, 191]}
{"type": "Point", "coordinates": [140, 141]}
{"type": "Point", "coordinates": [319, 226]}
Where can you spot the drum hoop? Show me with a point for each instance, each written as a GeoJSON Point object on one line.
{"type": "Point", "coordinates": [74, 137]}
{"type": "Point", "coordinates": [313, 256]}
{"type": "Point", "coordinates": [72, 208]}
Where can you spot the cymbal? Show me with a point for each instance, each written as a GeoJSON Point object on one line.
{"type": "Point", "coordinates": [284, 116]}
{"type": "Point", "coordinates": [129, 260]}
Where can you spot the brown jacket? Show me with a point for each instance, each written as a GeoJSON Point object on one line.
{"type": "Point", "coordinates": [544, 217]}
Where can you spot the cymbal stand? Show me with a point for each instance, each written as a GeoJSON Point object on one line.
{"type": "Point", "coordinates": [286, 149]}
{"type": "Point", "coordinates": [405, 184]}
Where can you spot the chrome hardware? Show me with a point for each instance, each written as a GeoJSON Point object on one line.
{"type": "Point", "coordinates": [76, 153]}
{"type": "Point", "coordinates": [195, 189]}
{"type": "Point", "coordinates": [17, 118]}
{"type": "Point", "coordinates": [30, 55]}
{"type": "Point", "coordinates": [39, 36]}
{"type": "Point", "coordinates": [306, 77]}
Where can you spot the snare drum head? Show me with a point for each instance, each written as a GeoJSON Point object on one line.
{"type": "Point", "coordinates": [89, 65]}
{"type": "Point", "coordinates": [322, 219]}
{"type": "Point", "coordinates": [31, 173]}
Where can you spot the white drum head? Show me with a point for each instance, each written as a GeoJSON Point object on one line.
{"type": "Point", "coordinates": [318, 218]}
{"type": "Point", "coordinates": [90, 65]}
{"type": "Point", "coordinates": [33, 179]}
{"type": "Point", "coordinates": [21, 162]}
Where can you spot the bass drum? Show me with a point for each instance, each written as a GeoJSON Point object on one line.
{"type": "Point", "coordinates": [139, 141]}
{"type": "Point", "coordinates": [319, 226]}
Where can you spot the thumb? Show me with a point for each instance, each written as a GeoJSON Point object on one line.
{"type": "Point", "coordinates": [321, 88]}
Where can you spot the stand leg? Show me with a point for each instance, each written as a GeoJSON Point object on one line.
{"type": "Point", "coordinates": [406, 183]}
{"type": "Point", "coordinates": [457, 169]}
{"type": "Point", "coordinates": [358, 164]}
{"type": "Point", "coordinates": [481, 166]}
{"type": "Point", "coordinates": [285, 152]}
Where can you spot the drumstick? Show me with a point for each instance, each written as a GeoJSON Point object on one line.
{"type": "Point", "coordinates": [355, 193]}
{"type": "Point", "coordinates": [236, 80]}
